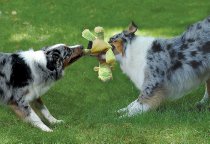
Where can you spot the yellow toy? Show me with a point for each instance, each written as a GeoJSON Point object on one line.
{"type": "Point", "coordinates": [99, 46]}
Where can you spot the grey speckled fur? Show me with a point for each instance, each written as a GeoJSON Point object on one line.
{"type": "Point", "coordinates": [164, 68]}
{"type": "Point", "coordinates": [25, 76]}
{"type": "Point", "coordinates": [178, 61]}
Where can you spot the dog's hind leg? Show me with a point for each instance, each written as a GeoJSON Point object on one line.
{"type": "Point", "coordinates": [29, 116]}
{"type": "Point", "coordinates": [143, 104]}
{"type": "Point", "coordinates": [39, 105]}
{"type": "Point", "coordinates": [204, 101]}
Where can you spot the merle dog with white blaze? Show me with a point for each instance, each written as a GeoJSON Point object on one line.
{"type": "Point", "coordinates": [26, 75]}
{"type": "Point", "coordinates": [161, 68]}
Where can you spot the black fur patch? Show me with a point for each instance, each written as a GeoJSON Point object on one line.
{"type": "Point", "coordinates": [21, 73]}
{"type": "Point", "coordinates": [195, 64]}
{"type": "Point", "coordinates": [177, 65]}
{"type": "Point", "coordinates": [181, 55]}
{"type": "Point", "coordinates": [53, 59]}
{"type": "Point", "coordinates": [51, 65]}
{"type": "Point", "coordinates": [2, 74]}
{"type": "Point", "coordinates": [3, 61]}
{"type": "Point", "coordinates": [157, 70]}
{"type": "Point", "coordinates": [150, 58]}
{"type": "Point", "coordinates": [151, 67]}
{"type": "Point", "coordinates": [193, 53]}
{"type": "Point", "coordinates": [183, 38]}
{"type": "Point", "coordinates": [169, 46]}
{"type": "Point", "coordinates": [199, 26]}
{"type": "Point", "coordinates": [206, 47]}
{"type": "Point", "coordinates": [184, 46]}
{"type": "Point", "coordinates": [190, 40]}
{"type": "Point", "coordinates": [156, 47]}
{"type": "Point", "coordinates": [1, 92]}
{"type": "Point", "coordinates": [172, 54]}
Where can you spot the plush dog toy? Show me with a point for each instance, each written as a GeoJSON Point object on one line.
{"type": "Point", "coordinates": [97, 47]}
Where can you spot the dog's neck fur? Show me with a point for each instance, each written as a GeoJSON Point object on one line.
{"type": "Point", "coordinates": [135, 56]}
{"type": "Point", "coordinates": [35, 60]}
{"type": "Point", "coordinates": [32, 56]}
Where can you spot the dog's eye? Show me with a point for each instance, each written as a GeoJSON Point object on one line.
{"type": "Point", "coordinates": [56, 56]}
{"type": "Point", "coordinates": [111, 40]}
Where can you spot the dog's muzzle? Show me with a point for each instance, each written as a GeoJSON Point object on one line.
{"type": "Point", "coordinates": [75, 52]}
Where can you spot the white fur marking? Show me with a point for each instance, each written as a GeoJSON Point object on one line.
{"type": "Point", "coordinates": [205, 97]}
{"type": "Point", "coordinates": [36, 89]}
{"type": "Point", "coordinates": [48, 116]}
{"type": "Point", "coordinates": [134, 61]}
{"type": "Point", "coordinates": [55, 46]}
{"type": "Point", "coordinates": [134, 108]}
{"type": "Point", "coordinates": [32, 56]}
{"type": "Point", "coordinates": [36, 121]}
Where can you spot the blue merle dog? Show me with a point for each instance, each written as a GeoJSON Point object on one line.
{"type": "Point", "coordinates": [164, 69]}
{"type": "Point", "coordinates": [25, 76]}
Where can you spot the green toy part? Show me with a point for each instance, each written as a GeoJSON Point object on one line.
{"type": "Point", "coordinates": [88, 35]}
{"type": "Point", "coordinates": [110, 57]}
{"type": "Point", "coordinates": [104, 72]}
{"type": "Point", "coordinates": [100, 46]}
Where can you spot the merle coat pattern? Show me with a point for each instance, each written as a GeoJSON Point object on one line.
{"type": "Point", "coordinates": [170, 67]}
{"type": "Point", "coordinates": [26, 75]}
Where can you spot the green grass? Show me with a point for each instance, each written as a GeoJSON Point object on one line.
{"type": "Point", "coordinates": [86, 104]}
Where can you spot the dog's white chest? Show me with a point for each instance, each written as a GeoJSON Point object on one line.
{"type": "Point", "coordinates": [134, 62]}
{"type": "Point", "coordinates": [135, 70]}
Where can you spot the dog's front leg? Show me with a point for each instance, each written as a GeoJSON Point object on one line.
{"type": "Point", "coordinates": [204, 101]}
{"type": "Point", "coordinates": [28, 115]}
{"type": "Point", "coordinates": [134, 108]}
{"type": "Point", "coordinates": [152, 94]}
{"type": "Point", "coordinates": [143, 104]}
{"type": "Point", "coordinates": [38, 105]}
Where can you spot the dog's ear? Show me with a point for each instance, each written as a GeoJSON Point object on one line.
{"type": "Point", "coordinates": [54, 55]}
{"type": "Point", "coordinates": [54, 59]}
{"type": "Point", "coordinates": [132, 28]}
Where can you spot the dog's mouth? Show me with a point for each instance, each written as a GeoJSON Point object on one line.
{"type": "Point", "coordinates": [75, 52]}
{"type": "Point", "coordinates": [74, 59]}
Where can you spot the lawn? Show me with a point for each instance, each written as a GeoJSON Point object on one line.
{"type": "Point", "coordinates": [86, 104]}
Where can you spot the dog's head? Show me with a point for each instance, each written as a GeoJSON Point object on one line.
{"type": "Point", "coordinates": [119, 41]}
{"type": "Point", "coordinates": [62, 55]}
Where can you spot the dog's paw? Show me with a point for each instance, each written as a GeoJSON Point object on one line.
{"type": "Point", "coordinates": [122, 112]}
{"type": "Point", "coordinates": [57, 121]}
{"type": "Point", "coordinates": [200, 105]}
{"type": "Point", "coordinates": [133, 109]}
{"type": "Point", "coordinates": [44, 128]}
{"type": "Point", "coordinates": [47, 130]}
